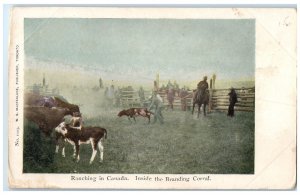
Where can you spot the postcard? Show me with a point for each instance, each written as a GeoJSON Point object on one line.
{"type": "Point", "coordinates": [152, 98]}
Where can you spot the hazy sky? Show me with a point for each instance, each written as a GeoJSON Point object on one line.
{"type": "Point", "coordinates": [143, 47]}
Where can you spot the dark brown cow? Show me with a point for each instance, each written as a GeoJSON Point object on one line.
{"type": "Point", "coordinates": [61, 103]}
{"type": "Point", "coordinates": [32, 99]}
{"type": "Point", "coordinates": [134, 112]}
{"type": "Point", "coordinates": [92, 135]}
{"type": "Point", "coordinates": [46, 118]}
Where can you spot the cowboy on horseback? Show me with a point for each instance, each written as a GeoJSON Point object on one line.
{"type": "Point", "coordinates": [202, 86]}
{"type": "Point", "coordinates": [201, 96]}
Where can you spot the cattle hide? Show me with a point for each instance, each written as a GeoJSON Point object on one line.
{"type": "Point", "coordinates": [32, 99]}
{"type": "Point", "coordinates": [46, 118]}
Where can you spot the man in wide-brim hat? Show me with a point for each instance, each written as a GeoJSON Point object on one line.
{"type": "Point", "coordinates": [233, 100]}
{"type": "Point", "coordinates": [203, 85]}
{"type": "Point", "coordinates": [157, 104]}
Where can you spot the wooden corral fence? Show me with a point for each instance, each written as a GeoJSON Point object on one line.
{"type": "Point", "coordinates": [39, 90]}
{"type": "Point", "coordinates": [179, 103]}
{"type": "Point", "coordinates": [130, 98]}
{"type": "Point", "coordinates": [219, 99]}
{"type": "Point", "coordinates": [46, 92]}
{"type": "Point", "coordinates": [246, 99]}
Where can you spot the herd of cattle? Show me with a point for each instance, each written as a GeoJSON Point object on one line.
{"type": "Point", "coordinates": [49, 113]}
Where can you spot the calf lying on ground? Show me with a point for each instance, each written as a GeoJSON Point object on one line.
{"type": "Point", "coordinates": [134, 112]}
{"type": "Point", "coordinates": [86, 135]}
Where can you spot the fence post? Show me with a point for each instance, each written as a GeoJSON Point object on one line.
{"type": "Point", "coordinates": [210, 95]}
{"type": "Point", "coordinates": [210, 100]}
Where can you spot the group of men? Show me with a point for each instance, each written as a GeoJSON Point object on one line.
{"type": "Point", "coordinates": [203, 86]}
{"type": "Point", "coordinates": [112, 96]}
{"type": "Point", "coordinates": [157, 102]}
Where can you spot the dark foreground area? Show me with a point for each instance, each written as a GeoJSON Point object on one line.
{"type": "Point", "coordinates": [215, 144]}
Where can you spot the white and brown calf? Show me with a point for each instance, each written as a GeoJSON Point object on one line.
{"type": "Point", "coordinates": [134, 112]}
{"type": "Point", "coordinates": [76, 121]}
{"type": "Point", "coordinates": [60, 136]}
{"type": "Point", "coordinates": [92, 135]}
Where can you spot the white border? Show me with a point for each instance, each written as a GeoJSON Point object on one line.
{"type": "Point", "coordinates": [284, 2]}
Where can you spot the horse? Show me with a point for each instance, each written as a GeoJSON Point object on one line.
{"type": "Point", "coordinates": [200, 99]}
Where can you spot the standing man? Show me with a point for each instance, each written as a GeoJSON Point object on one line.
{"type": "Point", "coordinates": [169, 84]}
{"type": "Point", "coordinates": [142, 96]}
{"type": "Point", "coordinates": [118, 97]}
{"type": "Point", "coordinates": [214, 77]}
{"type": "Point", "coordinates": [157, 103]}
{"type": "Point", "coordinates": [156, 87]}
{"type": "Point", "coordinates": [44, 80]}
{"type": "Point", "coordinates": [170, 97]}
{"type": "Point", "coordinates": [183, 94]}
{"type": "Point", "coordinates": [232, 100]}
{"type": "Point", "coordinates": [111, 95]}
{"type": "Point", "coordinates": [100, 83]}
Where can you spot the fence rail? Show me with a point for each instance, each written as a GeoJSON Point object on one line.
{"type": "Point", "coordinates": [246, 99]}
{"type": "Point", "coordinates": [39, 90]}
{"type": "Point", "coordinates": [219, 99]}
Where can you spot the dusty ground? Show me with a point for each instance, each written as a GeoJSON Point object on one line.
{"type": "Point", "coordinates": [214, 144]}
